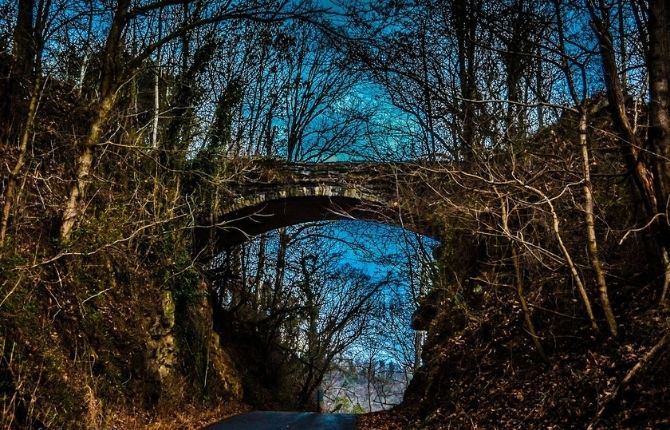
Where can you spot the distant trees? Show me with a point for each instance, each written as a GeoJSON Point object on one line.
{"type": "Point", "coordinates": [313, 309]}
{"type": "Point", "coordinates": [294, 99]}
{"type": "Point", "coordinates": [368, 385]}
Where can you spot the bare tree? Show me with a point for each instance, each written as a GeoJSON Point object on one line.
{"type": "Point", "coordinates": [27, 80]}
{"type": "Point", "coordinates": [650, 167]}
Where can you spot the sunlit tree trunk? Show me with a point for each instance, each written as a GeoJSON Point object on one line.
{"type": "Point", "coordinates": [576, 277]}
{"type": "Point", "coordinates": [84, 164]}
{"type": "Point", "coordinates": [519, 281]}
{"type": "Point", "coordinates": [587, 186]}
{"type": "Point", "coordinates": [419, 337]}
{"type": "Point", "coordinates": [590, 226]}
{"type": "Point", "coordinates": [108, 87]}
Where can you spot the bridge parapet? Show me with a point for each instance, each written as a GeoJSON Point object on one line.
{"type": "Point", "coordinates": [261, 174]}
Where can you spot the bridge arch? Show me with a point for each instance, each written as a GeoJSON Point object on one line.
{"type": "Point", "coordinates": [237, 284]}
{"type": "Point", "coordinates": [260, 213]}
{"type": "Point", "coordinates": [296, 193]}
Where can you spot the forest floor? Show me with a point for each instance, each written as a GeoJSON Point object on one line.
{"type": "Point", "coordinates": [386, 420]}
{"type": "Point", "coordinates": [191, 418]}
{"type": "Point", "coordinates": [481, 381]}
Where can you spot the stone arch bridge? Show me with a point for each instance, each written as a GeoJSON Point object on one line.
{"type": "Point", "coordinates": [264, 195]}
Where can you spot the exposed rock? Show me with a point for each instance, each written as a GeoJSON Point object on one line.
{"type": "Point", "coordinates": [161, 347]}
{"type": "Point", "coordinates": [224, 368]}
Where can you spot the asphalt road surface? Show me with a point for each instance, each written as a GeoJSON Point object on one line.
{"type": "Point", "coordinates": [286, 421]}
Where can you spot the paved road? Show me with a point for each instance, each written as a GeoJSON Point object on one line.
{"type": "Point", "coordinates": [286, 421]}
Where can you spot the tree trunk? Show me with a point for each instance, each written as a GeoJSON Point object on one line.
{"type": "Point", "coordinates": [24, 39]}
{"type": "Point", "coordinates": [590, 227]}
{"type": "Point", "coordinates": [465, 28]}
{"type": "Point", "coordinates": [157, 75]}
{"type": "Point", "coordinates": [156, 117]}
{"type": "Point", "coordinates": [666, 279]}
{"type": "Point", "coordinates": [108, 85]}
{"type": "Point", "coordinates": [566, 254]}
{"type": "Point", "coordinates": [524, 305]}
{"type": "Point", "coordinates": [622, 43]}
{"type": "Point", "coordinates": [418, 349]}
{"type": "Point", "coordinates": [518, 276]}
{"type": "Point", "coordinates": [84, 164]}
{"type": "Point", "coordinates": [659, 86]}
{"type": "Point", "coordinates": [280, 267]}
{"type": "Point", "coordinates": [652, 169]}
{"type": "Point", "coordinates": [13, 106]}
{"type": "Point", "coordinates": [644, 177]}
{"type": "Point", "coordinates": [427, 97]}
{"type": "Point", "coordinates": [26, 69]}
{"type": "Point", "coordinates": [10, 192]}
{"type": "Point", "coordinates": [260, 293]}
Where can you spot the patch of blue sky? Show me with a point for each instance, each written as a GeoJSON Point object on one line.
{"type": "Point", "coordinates": [82, 27]}
{"type": "Point", "coordinates": [389, 132]}
{"type": "Point", "coordinates": [378, 249]}
{"type": "Point", "coordinates": [376, 14]}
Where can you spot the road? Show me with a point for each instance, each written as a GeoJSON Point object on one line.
{"type": "Point", "coordinates": [286, 421]}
